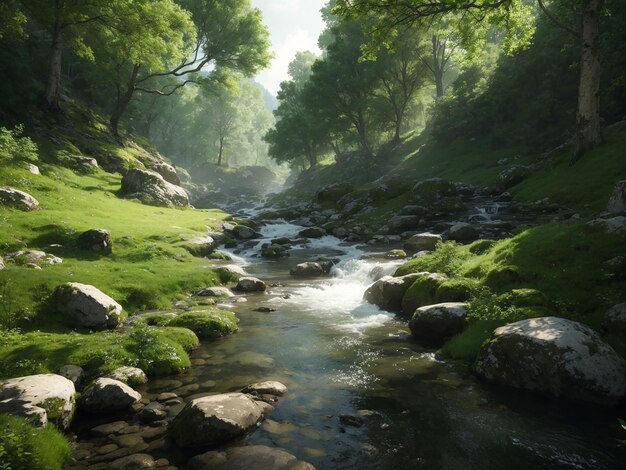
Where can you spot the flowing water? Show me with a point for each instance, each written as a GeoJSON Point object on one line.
{"type": "Point", "coordinates": [339, 355]}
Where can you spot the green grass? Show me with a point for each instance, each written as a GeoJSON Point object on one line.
{"type": "Point", "coordinates": [23, 446]}
{"type": "Point", "coordinates": [209, 323]}
{"type": "Point", "coordinates": [466, 345]}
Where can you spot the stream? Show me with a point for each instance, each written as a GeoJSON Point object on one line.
{"type": "Point", "coordinates": [338, 355]}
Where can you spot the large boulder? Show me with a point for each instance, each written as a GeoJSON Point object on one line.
{"type": "Point", "coordinates": [555, 356]}
{"type": "Point", "coordinates": [617, 203]}
{"type": "Point", "coordinates": [334, 192]}
{"type": "Point", "coordinates": [201, 246]}
{"type": "Point", "coordinates": [83, 163]}
{"type": "Point", "coordinates": [310, 269]}
{"type": "Point", "coordinates": [615, 320]}
{"type": "Point", "coordinates": [231, 272]}
{"type": "Point", "coordinates": [432, 324]}
{"type": "Point", "coordinates": [106, 395]}
{"type": "Point", "coordinates": [250, 284]}
{"type": "Point", "coordinates": [215, 419]}
{"type": "Point", "coordinates": [248, 457]}
{"type": "Point", "coordinates": [33, 258]}
{"type": "Point", "coordinates": [75, 373]}
{"type": "Point", "coordinates": [403, 223]}
{"type": "Point", "coordinates": [387, 292]}
{"type": "Point", "coordinates": [423, 291]}
{"type": "Point", "coordinates": [43, 399]}
{"type": "Point", "coordinates": [422, 242]}
{"type": "Point", "coordinates": [167, 171]}
{"type": "Point", "coordinates": [463, 232]}
{"type": "Point", "coordinates": [151, 188]}
{"type": "Point", "coordinates": [312, 232]}
{"type": "Point", "coordinates": [244, 232]}
{"type": "Point", "coordinates": [87, 306]}
{"type": "Point", "coordinates": [512, 176]}
{"type": "Point", "coordinates": [97, 240]}
{"type": "Point", "coordinates": [17, 199]}
{"type": "Point", "coordinates": [129, 375]}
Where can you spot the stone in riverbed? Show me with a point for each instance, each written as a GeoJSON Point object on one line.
{"type": "Point", "coordinates": [128, 375]}
{"type": "Point", "coordinates": [422, 292]}
{"type": "Point", "coordinates": [251, 284]}
{"type": "Point", "coordinates": [422, 242]}
{"type": "Point", "coordinates": [97, 240]}
{"type": "Point", "coordinates": [312, 232]}
{"type": "Point", "coordinates": [106, 395]}
{"type": "Point", "coordinates": [215, 420]}
{"type": "Point", "coordinates": [555, 356]}
{"type": "Point", "coordinates": [245, 233]}
{"type": "Point", "coordinates": [27, 396]}
{"type": "Point", "coordinates": [249, 457]}
{"type": "Point", "coordinates": [388, 291]}
{"type": "Point", "coordinates": [87, 306]}
{"type": "Point", "coordinates": [215, 292]}
{"type": "Point", "coordinates": [266, 388]}
{"type": "Point", "coordinates": [18, 199]}
{"type": "Point", "coordinates": [231, 272]}
{"type": "Point", "coordinates": [309, 269]}
{"type": "Point", "coordinates": [432, 324]}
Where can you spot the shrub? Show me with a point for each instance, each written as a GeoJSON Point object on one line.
{"type": "Point", "coordinates": [14, 147]}
{"type": "Point", "coordinates": [23, 446]}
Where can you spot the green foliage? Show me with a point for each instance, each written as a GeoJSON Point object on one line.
{"type": "Point", "coordinates": [466, 345]}
{"type": "Point", "coordinates": [15, 147]}
{"type": "Point", "coordinates": [207, 324]}
{"type": "Point", "coordinates": [23, 446]}
{"type": "Point", "coordinates": [447, 258]}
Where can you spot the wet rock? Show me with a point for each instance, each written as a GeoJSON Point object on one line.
{"type": "Point", "coordinates": [153, 411]}
{"type": "Point", "coordinates": [215, 292]}
{"type": "Point", "coordinates": [75, 373]}
{"type": "Point", "coordinates": [251, 284]}
{"type": "Point", "coordinates": [244, 233]}
{"type": "Point", "coordinates": [104, 430]}
{"type": "Point", "coordinates": [351, 420]}
{"type": "Point", "coordinates": [395, 254]}
{"type": "Point", "coordinates": [33, 257]}
{"type": "Point", "coordinates": [87, 306]}
{"type": "Point", "coordinates": [266, 388]}
{"type": "Point", "coordinates": [215, 419]}
{"type": "Point", "coordinates": [617, 202]}
{"type": "Point", "coordinates": [97, 240]}
{"type": "Point", "coordinates": [167, 171]}
{"type": "Point", "coordinates": [312, 232]}
{"type": "Point", "coordinates": [432, 324]}
{"type": "Point", "coordinates": [264, 309]}
{"type": "Point", "coordinates": [134, 462]}
{"type": "Point", "coordinates": [334, 192]}
{"type": "Point", "coordinates": [165, 396]}
{"type": "Point", "coordinates": [422, 292]}
{"type": "Point", "coordinates": [249, 457]}
{"type": "Point", "coordinates": [309, 269]}
{"type": "Point", "coordinates": [274, 251]}
{"type": "Point", "coordinates": [388, 291]}
{"type": "Point", "coordinates": [555, 356]}
{"type": "Point", "coordinates": [41, 398]}
{"type": "Point", "coordinates": [615, 320]}
{"type": "Point", "coordinates": [18, 199]}
{"type": "Point", "coordinates": [129, 375]}
{"type": "Point", "coordinates": [422, 242]}
{"type": "Point", "coordinates": [107, 395]}
{"type": "Point", "coordinates": [151, 188]}
{"type": "Point", "coordinates": [463, 232]}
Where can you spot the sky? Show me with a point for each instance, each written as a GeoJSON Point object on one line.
{"type": "Point", "coordinates": [294, 26]}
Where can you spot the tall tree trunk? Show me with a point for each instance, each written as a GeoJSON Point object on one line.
{"type": "Point", "coordinates": [219, 158]}
{"type": "Point", "coordinates": [53, 86]}
{"type": "Point", "coordinates": [588, 130]}
{"type": "Point", "coordinates": [123, 100]}
{"type": "Point", "coordinates": [438, 58]}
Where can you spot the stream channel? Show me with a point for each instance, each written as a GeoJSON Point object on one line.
{"type": "Point", "coordinates": [338, 355]}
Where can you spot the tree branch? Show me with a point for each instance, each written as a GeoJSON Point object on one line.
{"type": "Point", "coordinates": [558, 22]}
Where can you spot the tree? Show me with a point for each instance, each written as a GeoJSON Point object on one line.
{"type": "Point", "coordinates": [179, 40]}
{"type": "Point", "coordinates": [12, 19]}
{"type": "Point", "coordinates": [514, 16]}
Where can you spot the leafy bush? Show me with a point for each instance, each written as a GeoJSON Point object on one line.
{"type": "Point", "coordinates": [14, 147]}
{"type": "Point", "coordinates": [23, 446]}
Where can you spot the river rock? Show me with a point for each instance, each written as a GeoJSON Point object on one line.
{"type": "Point", "coordinates": [245, 233]}
{"type": "Point", "coordinates": [107, 395]}
{"type": "Point", "coordinates": [617, 202]}
{"type": "Point", "coordinates": [215, 419]}
{"type": "Point", "coordinates": [555, 356]}
{"type": "Point", "coordinates": [42, 398]}
{"type": "Point", "coordinates": [167, 171]}
{"type": "Point", "coordinates": [388, 291]}
{"type": "Point", "coordinates": [33, 257]}
{"type": "Point", "coordinates": [395, 254]}
{"type": "Point", "coordinates": [97, 240]}
{"type": "Point", "coordinates": [309, 269]}
{"type": "Point", "coordinates": [274, 251]}
{"type": "Point", "coordinates": [151, 188]}
{"type": "Point", "coordinates": [432, 324]}
{"type": "Point", "coordinates": [18, 199]}
{"type": "Point", "coordinates": [249, 457]}
{"type": "Point", "coordinates": [334, 192]}
{"type": "Point", "coordinates": [422, 292]}
{"type": "Point", "coordinates": [266, 388]}
{"type": "Point", "coordinates": [615, 320]}
{"type": "Point", "coordinates": [231, 271]}
{"type": "Point", "coordinates": [128, 375]}
{"type": "Point", "coordinates": [215, 292]}
{"type": "Point", "coordinates": [251, 284]}
{"type": "Point", "coordinates": [463, 232]}
{"type": "Point", "coordinates": [133, 462]}
{"type": "Point", "coordinates": [87, 306]}
{"type": "Point", "coordinates": [312, 232]}
{"type": "Point", "coordinates": [422, 242]}
{"type": "Point", "coordinates": [75, 373]}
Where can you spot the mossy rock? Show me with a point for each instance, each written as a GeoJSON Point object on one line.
{"type": "Point", "coordinates": [526, 298]}
{"type": "Point", "coordinates": [422, 292]}
{"type": "Point", "coordinates": [481, 246]}
{"type": "Point", "coordinates": [502, 276]}
{"type": "Point", "coordinates": [207, 324]}
{"type": "Point", "coordinates": [456, 290]}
